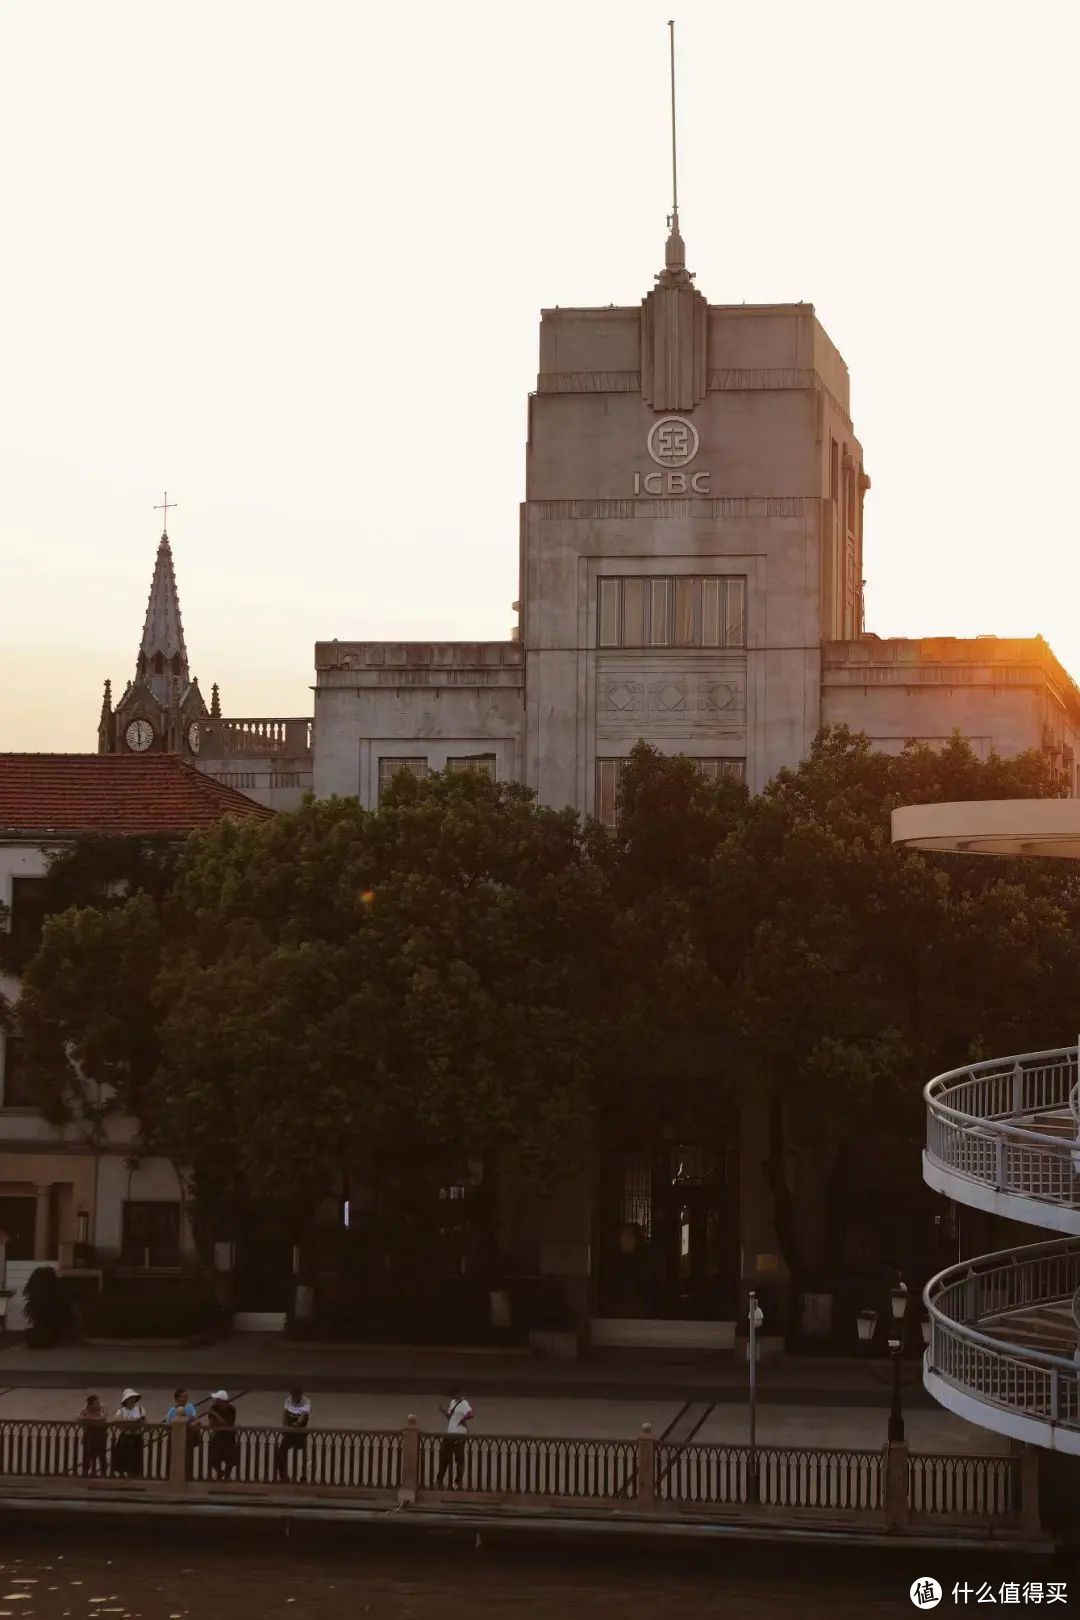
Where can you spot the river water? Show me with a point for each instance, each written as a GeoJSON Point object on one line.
{"type": "Point", "coordinates": [126, 1573]}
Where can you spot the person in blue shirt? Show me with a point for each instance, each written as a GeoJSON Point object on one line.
{"type": "Point", "coordinates": [181, 1407]}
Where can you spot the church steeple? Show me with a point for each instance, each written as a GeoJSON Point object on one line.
{"type": "Point", "coordinates": [160, 709]}
{"type": "Point", "coordinates": [163, 662]}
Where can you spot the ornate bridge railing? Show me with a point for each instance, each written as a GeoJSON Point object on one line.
{"type": "Point", "coordinates": [50, 1450]}
{"type": "Point", "coordinates": [351, 1459]}
{"type": "Point", "coordinates": [881, 1490]}
{"type": "Point", "coordinates": [969, 1487]}
{"type": "Point", "coordinates": [519, 1465]}
{"type": "Point", "coordinates": [786, 1476]}
{"type": "Point", "coordinates": [966, 1355]}
{"type": "Point", "coordinates": [973, 1130]}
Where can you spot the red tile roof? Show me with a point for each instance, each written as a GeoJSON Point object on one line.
{"type": "Point", "coordinates": [151, 794]}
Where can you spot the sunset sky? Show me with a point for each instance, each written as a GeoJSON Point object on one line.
{"type": "Point", "coordinates": [288, 261]}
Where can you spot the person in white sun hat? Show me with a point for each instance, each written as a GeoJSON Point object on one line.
{"type": "Point", "coordinates": [127, 1451]}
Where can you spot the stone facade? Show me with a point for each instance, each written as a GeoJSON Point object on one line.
{"type": "Point", "coordinates": [439, 702]}
{"type": "Point", "coordinates": [690, 573]}
{"type": "Point", "coordinates": [1005, 695]}
{"type": "Point", "coordinates": [691, 567]}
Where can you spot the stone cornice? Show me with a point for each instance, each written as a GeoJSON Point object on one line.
{"type": "Point", "coordinates": [353, 664]}
{"type": "Point", "coordinates": [729, 380]}
{"type": "Point", "coordinates": [588, 382]}
{"type": "Point", "coordinates": [763, 377]}
{"type": "Point", "coordinates": [722, 506]}
{"type": "Point", "coordinates": [417, 654]}
{"type": "Point", "coordinates": [950, 661]}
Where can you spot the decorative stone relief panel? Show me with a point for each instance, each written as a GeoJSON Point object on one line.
{"type": "Point", "coordinates": [699, 702]}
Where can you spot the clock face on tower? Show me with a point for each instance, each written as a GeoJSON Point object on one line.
{"type": "Point", "coordinates": [139, 735]}
{"type": "Point", "coordinates": [193, 738]}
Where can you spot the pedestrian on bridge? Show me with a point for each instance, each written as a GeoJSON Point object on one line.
{"type": "Point", "coordinates": [224, 1445]}
{"type": "Point", "coordinates": [294, 1420]}
{"type": "Point", "coordinates": [458, 1414]}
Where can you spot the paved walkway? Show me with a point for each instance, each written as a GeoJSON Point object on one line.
{"type": "Point", "coordinates": [805, 1402]}
{"type": "Point", "coordinates": [269, 1361]}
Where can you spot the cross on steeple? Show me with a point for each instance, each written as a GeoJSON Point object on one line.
{"type": "Point", "coordinates": [164, 507]}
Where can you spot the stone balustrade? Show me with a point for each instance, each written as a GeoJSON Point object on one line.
{"type": "Point", "coordinates": [225, 739]}
{"type": "Point", "coordinates": [891, 1490]}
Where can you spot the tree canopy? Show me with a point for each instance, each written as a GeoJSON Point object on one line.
{"type": "Point", "coordinates": [466, 970]}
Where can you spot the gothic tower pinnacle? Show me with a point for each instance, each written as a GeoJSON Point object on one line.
{"type": "Point", "coordinates": [162, 708]}
{"type": "Point", "coordinates": [163, 663]}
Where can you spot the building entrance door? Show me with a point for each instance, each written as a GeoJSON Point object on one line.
{"type": "Point", "coordinates": [17, 1220]}
{"type": "Point", "coordinates": [671, 1231]}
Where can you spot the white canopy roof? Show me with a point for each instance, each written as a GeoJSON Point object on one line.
{"type": "Point", "coordinates": [992, 827]}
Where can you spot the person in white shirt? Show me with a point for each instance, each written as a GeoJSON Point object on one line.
{"type": "Point", "coordinates": [130, 1420]}
{"type": "Point", "coordinates": [458, 1414]}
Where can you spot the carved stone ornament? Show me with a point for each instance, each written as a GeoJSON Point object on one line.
{"type": "Point", "coordinates": [674, 334]}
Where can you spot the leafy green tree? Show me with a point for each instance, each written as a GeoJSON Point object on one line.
{"type": "Point", "coordinates": [343, 983]}
{"type": "Point", "coordinates": [870, 968]}
{"type": "Point", "coordinates": [86, 1008]}
{"type": "Point", "coordinates": [290, 1002]}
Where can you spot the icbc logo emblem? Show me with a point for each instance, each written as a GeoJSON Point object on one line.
{"type": "Point", "coordinates": [672, 443]}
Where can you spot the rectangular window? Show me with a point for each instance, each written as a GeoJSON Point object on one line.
{"type": "Point", "coordinates": [477, 764]}
{"type": "Point", "coordinates": [608, 772]}
{"type": "Point", "coordinates": [26, 919]}
{"type": "Point", "coordinates": [633, 611]}
{"type": "Point", "coordinates": [659, 613]}
{"type": "Point", "coordinates": [415, 764]}
{"type": "Point", "coordinates": [608, 614]}
{"type": "Point", "coordinates": [150, 1232]}
{"type": "Point", "coordinates": [727, 770]}
{"type": "Point", "coordinates": [17, 1092]}
{"type": "Point", "coordinates": [713, 595]}
{"type": "Point", "coordinates": [673, 610]}
{"type": "Point", "coordinates": [687, 593]}
{"type": "Point", "coordinates": [636, 1209]}
{"type": "Point", "coordinates": [735, 629]}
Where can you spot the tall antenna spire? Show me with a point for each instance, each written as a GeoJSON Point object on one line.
{"type": "Point", "coordinates": [674, 270]}
{"type": "Point", "coordinates": [674, 160]}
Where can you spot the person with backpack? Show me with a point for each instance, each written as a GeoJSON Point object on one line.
{"type": "Point", "coordinates": [458, 1414]}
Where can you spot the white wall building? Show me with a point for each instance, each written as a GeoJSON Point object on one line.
{"type": "Point", "coordinates": [58, 1187]}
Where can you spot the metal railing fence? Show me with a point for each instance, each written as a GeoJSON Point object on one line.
{"type": "Point", "coordinates": [971, 1126]}
{"type": "Point", "coordinates": [965, 1351]}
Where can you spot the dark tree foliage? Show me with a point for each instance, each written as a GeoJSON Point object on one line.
{"type": "Point", "coordinates": [286, 1000]}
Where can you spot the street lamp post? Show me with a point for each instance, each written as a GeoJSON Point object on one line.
{"type": "Point", "coordinates": [866, 1322]}
{"type": "Point", "coordinates": [755, 1318]}
{"type": "Point", "coordinates": [896, 1346]}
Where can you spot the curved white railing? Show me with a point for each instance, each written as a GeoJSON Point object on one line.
{"type": "Point", "coordinates": [977, 1151]}
{"type": "Point", "coordinates": [1028, 1393]}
